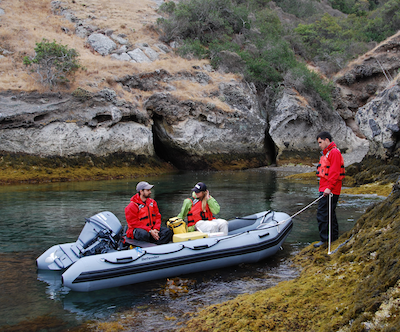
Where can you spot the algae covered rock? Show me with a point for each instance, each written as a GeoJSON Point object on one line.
{"type": "Point", "coordinates": [355, 288]}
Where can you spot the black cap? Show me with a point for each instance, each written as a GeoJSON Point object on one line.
{"type": "Point", "coordinates": [199, 187]}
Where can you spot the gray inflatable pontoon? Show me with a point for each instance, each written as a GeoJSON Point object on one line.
{"type": "Point", "coordinates": [98, 259]}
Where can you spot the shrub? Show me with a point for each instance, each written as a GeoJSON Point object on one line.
{"type": "Point", "coordinates": [193, 48]}
{"type": "Point", "coordinates": [52, 63]}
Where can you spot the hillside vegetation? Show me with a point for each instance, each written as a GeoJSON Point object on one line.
{"type": "Point", "coordinates": [270, 43]}
{"type": "Point", "coordinates": [268, 37]}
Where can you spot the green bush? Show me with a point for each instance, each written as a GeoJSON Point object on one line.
{"type": "Point", "coordinates": [53, 63]}
{"type": "Point", "coordinates": [384, 22]}
{"type": "Point", "coordinates": [193, 48]}
{"type": "Point", "coordinates": [204, 20]}
{"type": "Point", "coordinates": [299, 8]}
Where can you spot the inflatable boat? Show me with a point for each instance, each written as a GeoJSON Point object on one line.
{"type": "Point", "coordinates": [102, 258]}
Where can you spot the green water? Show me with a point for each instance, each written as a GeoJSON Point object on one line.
{"type": "Point", "coordinates": [36, 217]}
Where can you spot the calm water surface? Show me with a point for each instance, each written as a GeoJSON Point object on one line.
{"type": "Point", "coordinates": [36, 217]}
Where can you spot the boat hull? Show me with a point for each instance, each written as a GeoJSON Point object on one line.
{"type": "Point", "coordinates": [119, 268]}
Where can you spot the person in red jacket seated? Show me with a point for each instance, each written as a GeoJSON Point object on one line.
{"type": "Point", "coordinates": [144, 218]}
{"type": "Point", "coordinates": [330, 171]}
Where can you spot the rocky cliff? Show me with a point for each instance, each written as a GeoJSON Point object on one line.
{"type": "Point", "coordinates": [193, 117]}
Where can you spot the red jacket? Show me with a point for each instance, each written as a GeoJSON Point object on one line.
{"type": "Point", "coordinates": [336, 170]}
{"type": "Point", "coordinates": [143, 215]}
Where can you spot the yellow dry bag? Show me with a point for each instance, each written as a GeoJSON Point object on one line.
{"type": "Point", "coordinates": [177, 225]}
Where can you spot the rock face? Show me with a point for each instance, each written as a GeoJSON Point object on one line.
{"type": "Point", "coordinates": [190, 134]}
{"type": "Point", "coordinates": [194, 134]}
{"type": "Point", "coordinates": [239, 129]}
{"type": "Point", "coordinates": [365, 78]}
{"type": "Point", "coordinates": [197, 135]}
{"type": "Point", "coordinates": [379, 120]}
{"type": "Point", "coordinates": [294, 125]}
{"type": "Point", "coordinates": [55, 125]}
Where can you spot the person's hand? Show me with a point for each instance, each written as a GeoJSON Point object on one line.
{"type": "Point", "coordinates": [154, 234]}
{"type": "Point", "coordinates": [207, 195]}
{"type": "Point", "coordinates": [327, 191]}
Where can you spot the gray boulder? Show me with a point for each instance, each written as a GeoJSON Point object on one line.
{"type": "Point", "coordinates": [294, 125]}
{"type": "Point", "coordinates": [379, 121]}
{"type": "Point", "coordinates": [121, 57]}
{"type": "Point", "coordinates": [138, 55]}
{"type": "Point", "coordinates": [150, 53]}
{"type": "Point", "coordinates": [101, 43]}
{"type": "Point", "coordinates": [119, 39]}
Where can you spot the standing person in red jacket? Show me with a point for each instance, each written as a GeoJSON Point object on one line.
{"type": "Point", "coordinates": [330, 171]}
{"type": "Point", "coordinates": [144, 218]}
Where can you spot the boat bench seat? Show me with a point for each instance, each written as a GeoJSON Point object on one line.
{"type": "Point", "coordinates": [137, 243]}
{"type": "Point", "coordinates": [240, 223]}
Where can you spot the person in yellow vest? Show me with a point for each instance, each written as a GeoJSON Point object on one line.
{"type": "Point", "coordinates": [330, 172]}
{"type": "Point", "coordinates": [200, 210]}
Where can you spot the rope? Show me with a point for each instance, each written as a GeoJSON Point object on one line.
{"type": "Point", "coordinates": [342, 244]}
{"type": "Point", "coordinates": [384, 73]}
{"type": "Point", "coordinates": [281, 222]}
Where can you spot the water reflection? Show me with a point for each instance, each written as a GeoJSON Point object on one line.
{"type": "Point", "coordinates": [33, 218]}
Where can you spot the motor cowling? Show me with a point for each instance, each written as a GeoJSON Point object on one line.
{"type": "Point", "coordinates": [100, 234]}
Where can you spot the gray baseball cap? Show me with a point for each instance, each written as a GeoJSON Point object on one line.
{"type": "Point", "coordinates": [143, 185]}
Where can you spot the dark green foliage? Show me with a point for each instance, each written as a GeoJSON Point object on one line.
{"type": "Point", "coordinates": [384, 22]}
{"type": "Point", "coordinates": [248, 28]}
{"type": "Point", "coordinates": [332, 39]}
{"type": "Point", "coordinates": [299, 8]}
{"type": "Point", "coordinates": [354, 6]}
{"type": "Point", "coordinates": [337, 40]}
{"type": "Point", "coordinates": [193, 48]}
{"type": "Point", "coordinates": [53, 63]}
{"type": "Point", "coordinates": [254, 32]}
{"type": "Point", "coordinates": [204, 20]}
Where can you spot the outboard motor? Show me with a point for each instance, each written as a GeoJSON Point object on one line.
{"type": "Point", "coordinates": [100, 234]}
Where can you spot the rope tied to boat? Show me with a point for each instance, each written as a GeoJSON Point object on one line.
{"type": "Point", "coordinates": [329, 221]}
{"type": "Point", "coordinates": [303, 209]}
{"type": "Point", "coordinates": [291, 217]}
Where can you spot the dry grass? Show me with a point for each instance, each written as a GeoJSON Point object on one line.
{"type": "Point", "coordinates": [27, 22]}
{"type": "Point", "coordinates": [372, 53]}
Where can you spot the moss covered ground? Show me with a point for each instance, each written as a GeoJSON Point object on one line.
{"type": "Point", "coordinates": [355, 288]}
{"type": "Point", "coordinates": [18, 168]}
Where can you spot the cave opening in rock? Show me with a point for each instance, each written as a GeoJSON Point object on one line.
{"type": "Point", "coordinates": [165, 149]}
{"type": "Point", "coordinates": [270, 149]}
